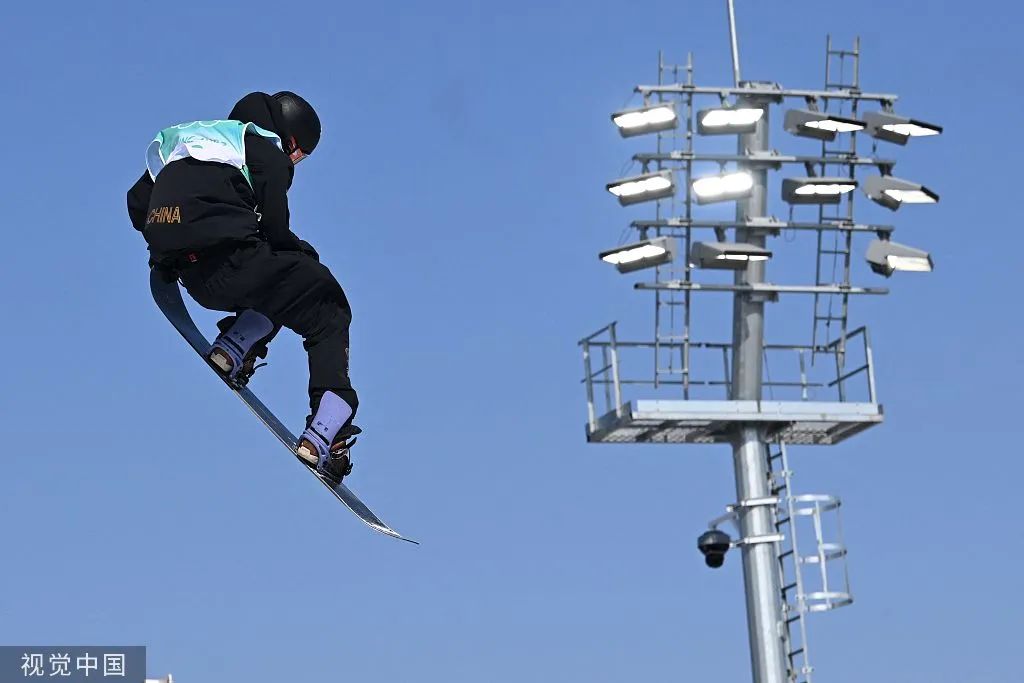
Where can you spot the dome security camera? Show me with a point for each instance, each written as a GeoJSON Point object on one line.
{"type": "Point", "coordinates": [714, 544]}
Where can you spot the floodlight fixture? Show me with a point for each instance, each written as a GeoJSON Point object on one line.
{"type": "Point", "coordinates": [819, 125]}
{"type": "Point", "coordinates": [892, 192]}
{"type": "Point", "coordinates": [726, 255]}
{"type": "Point", "coordinates": [642, 254]}
{"type": "Point", "coordinates": [887, 257]}
{"type": "Point", "coordinates": [643, 188]}
{"type": "Point", "coordinates": [723, 188]}
{"type": "Point", "coordinates": [891, 127]}
{"type": "Point", "coordinates": [648, 119]}
{"type": "Point", "coordinates": [728, 121]}
{"type": "Point", "coordinates": [813, 190]}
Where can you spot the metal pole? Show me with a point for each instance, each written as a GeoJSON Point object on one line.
{"type": "Point", "coordinates": [761, 573]}
{"type": "Point", "coordinates": [615, 371]}
{"type": "Point", "coordinates": [735, 47]}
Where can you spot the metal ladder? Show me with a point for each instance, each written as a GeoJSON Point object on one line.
{"type": "Point", "coordinates": [837, 254]}
{"type": "Point", "coordinates": [802, 595]}
{"type": "Point", "coordinates": [672, 307]}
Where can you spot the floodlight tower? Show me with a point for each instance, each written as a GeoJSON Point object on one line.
{"type": "Point", "coordinates": [750, 452]}
{"type": "Point", "coordinates": [784, 579]}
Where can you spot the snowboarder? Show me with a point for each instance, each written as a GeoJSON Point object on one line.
{"type": "Point", "coordinates": [212, 205]}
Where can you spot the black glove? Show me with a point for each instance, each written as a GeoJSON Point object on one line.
{"type": "Point", "coordinates": [293, 243]}
{"type": "Point", "coordinates": [307, 249]}
{"type": "Point", "coordinates": [166, 273]}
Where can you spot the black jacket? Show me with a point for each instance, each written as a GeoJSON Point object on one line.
{"type": "Point", "coordinates": [197, 205]}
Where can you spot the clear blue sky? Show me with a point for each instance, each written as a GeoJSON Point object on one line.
{"type": "Point", "coordinates": [458, 194]}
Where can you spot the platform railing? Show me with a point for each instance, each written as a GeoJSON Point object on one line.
{"type": "Point", "coordinates": [603, 372]}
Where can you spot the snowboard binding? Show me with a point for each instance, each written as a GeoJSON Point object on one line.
{"type": "Point", "coordinates": [338, 464]}
{"type": "Point", "coordinates": [335, 462]}
{"type": "Point", "coordinates": [326, 444]}
{"type": "Point", "coordinates": [242, 342]}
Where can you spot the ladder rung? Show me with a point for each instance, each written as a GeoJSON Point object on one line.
{"type": "Point", "coordinates": [785, 554]}
{"type": "Point", "coordinates": [788, 587]}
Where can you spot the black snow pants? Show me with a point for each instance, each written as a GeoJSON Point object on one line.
{"type": "Point", "coordinates": [293, 290]}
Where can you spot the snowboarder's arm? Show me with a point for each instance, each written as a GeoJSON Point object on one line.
{"type": "Point", "coordinates": [271, 174]}
{"type": "Point", "coordinates": [138, 200]}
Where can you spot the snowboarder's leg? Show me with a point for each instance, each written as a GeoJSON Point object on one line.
{"type": "Point", "coordinates": [323, 322]}
{"type": "Point", "coordinates": [326, 339]}
{"type": "Point", "coordinates": [295, 291]}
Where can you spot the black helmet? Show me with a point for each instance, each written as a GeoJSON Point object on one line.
{"type": "Point", "coordinates": [301, 119]}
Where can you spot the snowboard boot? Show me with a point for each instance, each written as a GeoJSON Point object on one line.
{"type": "Point", "coordinates": [242, 340]}
{"type": "Point", "coordinates": [327, 441]}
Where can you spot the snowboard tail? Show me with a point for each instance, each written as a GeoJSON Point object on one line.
{"type": "Point", "coordinates": [168, 299]}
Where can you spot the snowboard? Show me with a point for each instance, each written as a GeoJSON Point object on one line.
{"type": "Point", "coordinates": [168, 299]}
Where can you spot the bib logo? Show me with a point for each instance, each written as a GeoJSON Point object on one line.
{"type": "Point", "coordinates": [201, 141]}
{"type": "Point", "coordinates": [165, 214]}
